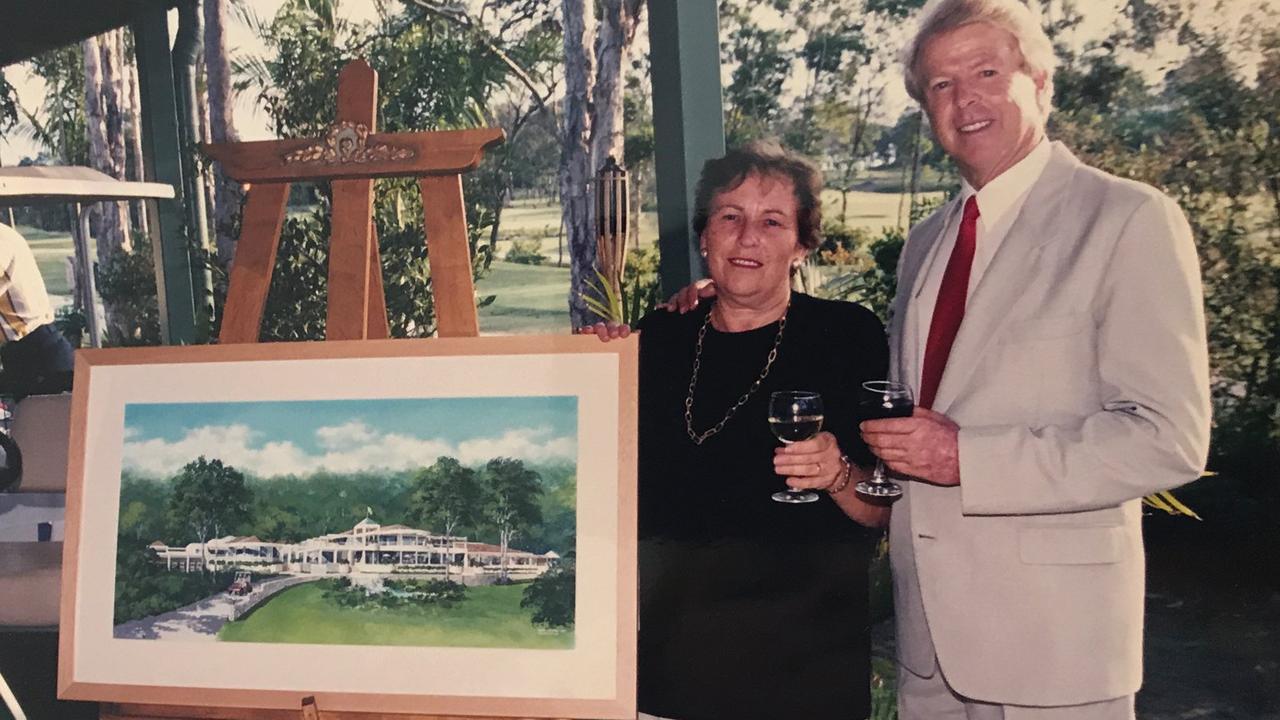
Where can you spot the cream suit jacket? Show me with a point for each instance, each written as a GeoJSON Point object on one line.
{"type": "Point", "coordinates": [1079, 380]}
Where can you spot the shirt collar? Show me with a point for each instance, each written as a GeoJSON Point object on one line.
{"type": "Point", "coordinates": [1001, 195]}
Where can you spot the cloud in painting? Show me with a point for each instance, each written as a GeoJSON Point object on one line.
{"type": "Point", "coordinates": [346, 448]}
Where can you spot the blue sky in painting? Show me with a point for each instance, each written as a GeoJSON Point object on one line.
{"type": "Point", "coordinates": [272, 438]}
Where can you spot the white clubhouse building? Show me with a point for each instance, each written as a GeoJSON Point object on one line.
{"type": "Point", "coordinates": [366, 548]}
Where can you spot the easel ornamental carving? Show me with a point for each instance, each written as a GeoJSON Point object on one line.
{"type": "Point", "coordinates": [351, 155]}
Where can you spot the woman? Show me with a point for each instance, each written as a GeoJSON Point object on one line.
{"type": "Point", "coordinates": [751, 608]}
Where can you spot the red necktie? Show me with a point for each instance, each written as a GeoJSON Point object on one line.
{"type": "Point", "coordinates": [949, 310]}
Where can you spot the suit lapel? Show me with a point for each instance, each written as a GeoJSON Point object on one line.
{"type": "Point", "coordinates": [1008, 275]}
{"type": "Point", "coordinates": [917, 255]}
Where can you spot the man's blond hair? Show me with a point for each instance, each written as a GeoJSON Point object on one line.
{"type": "Point", "coordinates": [940, 16]}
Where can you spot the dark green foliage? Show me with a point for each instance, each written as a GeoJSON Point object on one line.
{"type": "Point", "coordinates": [8, 105]}
{"type": "Point", "coordinates": [510, 494]}
{"type": "Point", "coordinates": [144, 587]}
{"type": "Point", "coordinates": [445, 496]}
{"type": "Point", "coordinates": [551, 596]}
{"type": "Point", "coordinates": [72, 324]}
{"type": "Point", "coordinates": [871, 263]}
{"type": "Point", "coordinates": [296, 302]}
{"type": "Point", "coordinates": [641, 290]}
{"type": "Point", "coordinates": [291, 509]}
{"type": "Point", "coordinates": [753, 98]}
{"type": "Point", "coordinates": [558, 506]}
{"type": "Point", "coordinates": [127, 284]}
{"type": "Point", "coordinates": [396, 594]}
{"type": "Point", "coordinates": [209, 498]}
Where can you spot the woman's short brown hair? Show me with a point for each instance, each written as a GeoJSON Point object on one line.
{"type": "Point", "coordinates": [764, 157]}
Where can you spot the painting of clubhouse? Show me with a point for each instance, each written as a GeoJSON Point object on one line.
{"type": "Point", "coordinates": [429, 522]}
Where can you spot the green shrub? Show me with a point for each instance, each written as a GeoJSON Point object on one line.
{"type": "Point", "coordinates": [526, 251]}
{"type": "Point", "coordinates": [552, 597]}
{"type": "Point", "coordinates": [145, 588]}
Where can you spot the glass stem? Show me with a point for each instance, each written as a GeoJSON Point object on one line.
{"type": "Point", "coordinates": [877, 477]}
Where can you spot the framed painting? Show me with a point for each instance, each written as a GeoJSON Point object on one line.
{"type": "Point", "coordinates": [443, 527]}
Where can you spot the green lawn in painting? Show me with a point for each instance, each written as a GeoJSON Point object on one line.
{"type": "Point", "coordinates": [491, 617]}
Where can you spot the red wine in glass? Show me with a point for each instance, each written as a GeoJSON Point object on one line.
{"type": "Point", "coordinates": [882, 399]}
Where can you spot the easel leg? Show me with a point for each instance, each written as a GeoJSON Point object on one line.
{"type": "Point", "coordinates": [349, 260]}
{"type": "Point", "coordinates": [255, 259]}
{"type": "Point", "coordinates": [450, 255]}
{"type": "Point", "coordinates": [377, 325]}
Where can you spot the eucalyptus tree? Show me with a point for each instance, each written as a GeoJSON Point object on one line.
{"type": "Point", "coordinates": [445, 497]}
{"type": "Point", "coordinates": [209, 499]}
{"type": "Point", "coordinates": [511, 492]}
{"type": "Point", "coordinates": [217, 66]}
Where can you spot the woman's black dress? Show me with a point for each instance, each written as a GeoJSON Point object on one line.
{"type": "Point", "coordinates": [750, 608]}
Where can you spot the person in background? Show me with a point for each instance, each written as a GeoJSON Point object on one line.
{"type": "Point", "coordinates": [36, 358]}
{"type": "Point", "coordinates": [751, 608]}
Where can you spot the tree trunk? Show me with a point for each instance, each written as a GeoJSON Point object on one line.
{"type": "Point", "coordinates": [133, 129]}
{"type": "Point", "coordinates": [228, 194]}
{"type": "Point", "coordinates": [102, 119]}
{"type": "Point", "coordinates": [94, 123]}
{"type": "Point", "coordinates": [505, 540]}
{"type": "Point", "coordinates": [575, 154]}
{"type": "Point", "coordinates": [208, 183]}
{"type": "Point", "coordinates": [113, 99]}
{"type": "Point", "coordinates": [915, 167]}
{"type": "Point", "coordinates": [606, 96]}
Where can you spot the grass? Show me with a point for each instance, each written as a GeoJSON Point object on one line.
{"type": "Point", "coordinates": [530, 299]}
{"type": "Point", "coordinates": [51, 250]}
{"type": "Point", "coordinates": [491, 617]}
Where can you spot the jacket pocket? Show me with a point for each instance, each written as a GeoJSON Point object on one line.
{"type": "Point", "coordinates": [1092, 545]}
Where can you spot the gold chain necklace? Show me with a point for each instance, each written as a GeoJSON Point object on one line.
{"type": "Point", "coordinates": [700, 437]}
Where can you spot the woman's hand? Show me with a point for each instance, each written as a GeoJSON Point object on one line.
{"type": "Point", "coordinates": [687, 298]}
{"type": "Point", "coordinates": [812, 464]}
{"type": "Point", "coordinates": [606, 331]}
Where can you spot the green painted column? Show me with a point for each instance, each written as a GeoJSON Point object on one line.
{"type": "Point", "coordinates": [161, 150]}
{"type": "Point", "coordinates": [688, 123]}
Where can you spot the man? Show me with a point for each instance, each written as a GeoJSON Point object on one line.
{"type": "Point", "coordinates": [36, 357]}
{"type": "Point", "coordinates": [1050, 318]}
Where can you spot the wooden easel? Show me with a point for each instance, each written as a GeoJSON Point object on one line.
{"type": "Point", "coordinates": [350, 155]}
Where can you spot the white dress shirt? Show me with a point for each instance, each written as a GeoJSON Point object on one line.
{"type": "Point", "coordinates": [24, 302]}
{"type": "Point", "coordinates": [999, 202]}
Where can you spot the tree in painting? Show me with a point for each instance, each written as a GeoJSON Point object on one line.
{"type": "Point", "coordinates": [551, 596]}
{"type": "Point", "coordinates": [511, 493]}
{"type": "Point", "coordinates": [209, 497]}
{"type": "Point", "coordinates": [445, 495]}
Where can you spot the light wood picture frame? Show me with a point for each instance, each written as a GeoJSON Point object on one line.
{"type": "Point", "coordinates": [291, 417]}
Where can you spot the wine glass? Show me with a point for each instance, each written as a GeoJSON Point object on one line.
{"type": "Point", "coordinates": [795, 415]}
{"type": "Point", "coordinates": [883, 399]}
